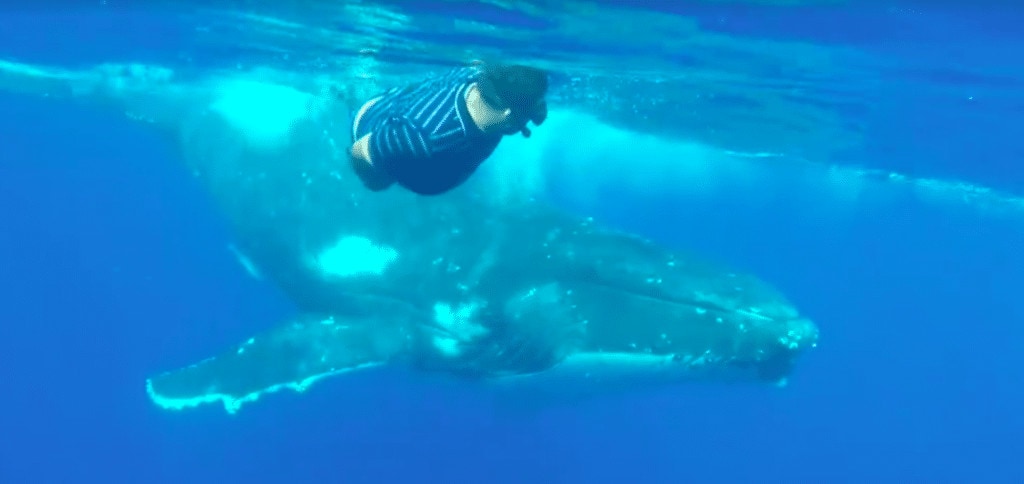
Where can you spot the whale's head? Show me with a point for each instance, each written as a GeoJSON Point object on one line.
{"type": "Point", "coordinates": [644, 312]}
{"type": "Point", "coordinates": [715, 325]}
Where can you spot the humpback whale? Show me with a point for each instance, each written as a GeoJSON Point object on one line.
{"type": "Point", "coordinates": [504, 291]}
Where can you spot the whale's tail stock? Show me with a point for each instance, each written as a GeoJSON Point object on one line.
{"type": "Point", "coordinates": [21, 78]}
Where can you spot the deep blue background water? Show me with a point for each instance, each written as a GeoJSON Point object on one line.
{"type": "Point", "coordinates": [113, 266]}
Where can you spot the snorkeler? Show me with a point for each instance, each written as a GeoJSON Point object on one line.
{"type": "Point", "coordinates": [429, 137]}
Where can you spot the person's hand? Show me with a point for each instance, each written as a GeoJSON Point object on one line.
{"type": "Point", "coordinates": [540, 113]}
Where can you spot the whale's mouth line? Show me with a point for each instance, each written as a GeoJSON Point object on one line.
{"type": "Point", "coordinates": [696, 304]}
{"type": "Point", "coordinates": [421, 307]}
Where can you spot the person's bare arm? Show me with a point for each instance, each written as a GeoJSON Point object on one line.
{"type": "Point", "coordinates": [360, 150]}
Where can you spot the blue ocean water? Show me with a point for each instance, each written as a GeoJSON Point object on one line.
{"type": "Point", "coordinates": [114, 267]}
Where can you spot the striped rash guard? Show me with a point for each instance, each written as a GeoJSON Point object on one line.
{"type": "Point", "coordinates": [422, 135]}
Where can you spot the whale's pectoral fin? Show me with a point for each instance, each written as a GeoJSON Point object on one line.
{"type": "Point", "coordinates": [293, 355]}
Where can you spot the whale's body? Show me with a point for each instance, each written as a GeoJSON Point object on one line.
{"type": "Point", "coordinates": [509, 292]}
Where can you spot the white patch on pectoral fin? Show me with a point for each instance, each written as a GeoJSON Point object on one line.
{"type": "Point", "coordinates": [352, 256]}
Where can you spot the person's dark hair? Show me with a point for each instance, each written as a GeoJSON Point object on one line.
{"type": "Point", "coordinates": [513, 86]}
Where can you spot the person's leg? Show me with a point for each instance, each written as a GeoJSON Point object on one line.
{"type": "Point", "coordinates": [356, 134]}
{"type": "Point", "coordinates": [373, 178]}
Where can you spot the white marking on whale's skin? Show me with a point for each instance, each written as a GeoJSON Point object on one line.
{"type": "Point", "coordinates": [354, 256]}
{"type": "Point", "coordinates": [247, 263]}
{"type": "Point", "coordinates": [248, 342]}
{"type": "Point", "coordinates": [458, 325]}
{"type": "Point", "coordinates": [267, 123]}
{"type": "Point", "coordinates": [447, 346]}
{"type": "Point", "coordinates": [799, 336]}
